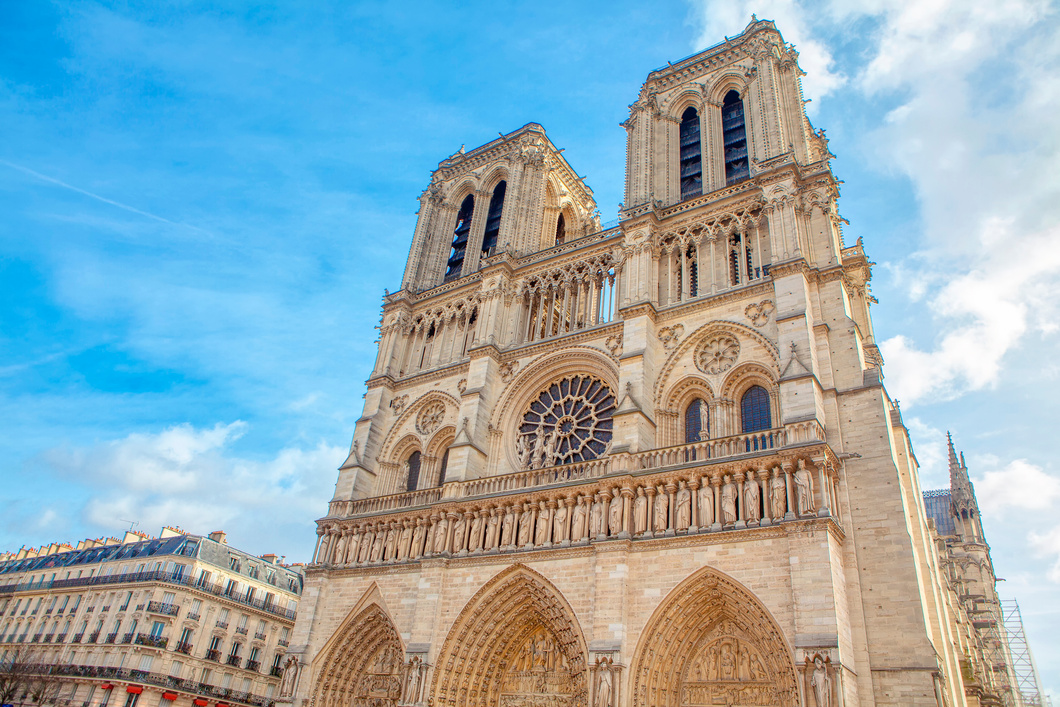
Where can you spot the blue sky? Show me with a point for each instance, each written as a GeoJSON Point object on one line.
{"type": "Point", "coordinates": [202, 204]}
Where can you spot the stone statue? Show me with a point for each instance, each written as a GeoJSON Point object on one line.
{"type": "Point", "coordinates": [595, 518]}
{"type": "Point", "coordinates": [559, 523]}
{"type": "Point", "coordinates": [290, 675]}
{"type": "Point", "coordinates": [475, 542]}
{"type": "Point", "coordinates": [405, 540]}
{"type": "Point", "coordinates": [614, 514]}
{"type": "Point", "coordinates": [325, 543]}
{"type": "Point", "coordinates": [821, 683]}
{"type": "Point", "coordinates": [537, 455]}
{"type": "Point", "coordinates": [640, 511]}
{"type": "Point", "coordinates": [523, 450]}
{"type": "Point", "coordinates": [602, 698]}
{"type": "Point", "coordinates": [377, 546]}
{"type": "Point", "coordinates": [728, 501]}
{"type": "Point", "coordinates": [751, 499]}
{"type": "Point", "coordinates": [458, 533]}
{"type": "Point", "coordinates": [706, 504]}
{"type": "Point", "coordinates": [508, 528]}
{"type": "Point", "coordinates": [543, 525]}
{"type": "Point", "coordinates": [780, 495]}
{"type": "Point", "coordinates": [803, 490]}
{"type": "Point", "coordinates": [683, 509]}
{"type": "Point", "coordinates": [526, 525]}
{"type": "Point", "coordinates": [578, 527]}
{"type": "Point", "coordinates": [391, 542]}
{"type": "Point", "coordinates": [417, 538]}
{"type": "Point", "coordinates": [662, 510]}
{"type": "Point", "coordinates": [492, 528]}
{"type": "Point", "coordinates": [550, 448]}
{"type": "Point", "coordinates": [406, 469]}
{"type": "Point", "coordinates": [441, 531]}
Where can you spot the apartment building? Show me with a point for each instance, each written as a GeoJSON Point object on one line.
{"type": "Point", "coordinates": [172, 621]}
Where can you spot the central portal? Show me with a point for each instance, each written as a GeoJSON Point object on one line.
{"type": "Point", "coordinates": [539, 676]}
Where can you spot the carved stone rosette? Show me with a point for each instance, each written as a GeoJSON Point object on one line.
{"type": "Point", "coordinates": [717, 354]}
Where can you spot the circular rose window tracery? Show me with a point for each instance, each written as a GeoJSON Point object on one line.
{"type": "Point", "coordinates": [569, 422]}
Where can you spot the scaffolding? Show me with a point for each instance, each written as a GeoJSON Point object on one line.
{"type": "Point", "coordinates": [1028, 682]}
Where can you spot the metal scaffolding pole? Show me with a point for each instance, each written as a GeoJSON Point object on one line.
{"type": "Point", "coordinates": [1028, 682]}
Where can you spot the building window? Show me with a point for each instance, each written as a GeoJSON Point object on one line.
{"type": "Point", "coordinates": [754, 410]}
{"type": "Point", "coordinates": [734, 134]}
{"type": "Point", "coordinates": [697, 421]}
{"type": "Point", "coordinates": [460, 234]}
{"type": "Point", "coordinates": [156, 629]}
{"type": "Point", "coordinates": [445, 467]}
{"type": "Point", "coordinates": [493, 220]}
{"type": "Point", "coordinates": [561, 230]}
{"type": "Point", "coordinates": [691, 155]}
{"type": "Point", "coordinates": [413, 472]}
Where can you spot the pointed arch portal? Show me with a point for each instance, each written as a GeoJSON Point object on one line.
{"type": "Point", "coordinates": [711, 642]}
{"type": "Point", "coordinates": [362, 665]}
{"type": "Point", "coordinates": [517, 642]}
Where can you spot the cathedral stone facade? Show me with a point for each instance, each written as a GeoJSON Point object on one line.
{"type": "Point", "coordinates": [651, 465]}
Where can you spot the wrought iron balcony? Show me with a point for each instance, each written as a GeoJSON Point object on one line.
{"type": "Point", "coordinates": [259, 636]}
{"type": "Point", "coordinates": [93, 637]}
{"type": "Point", "coordinates": [223, 625]}
{"type": "Point", "coordinates": [234, 660]}
{"type": "Point", "coordinates": [77, 638]}
{"type": "Point", "coordinates": [157, 607]}
{"type": "Point", "coordinates": [111, 638]}
{"type": "Point", "coordinates": [253, 665]}
{"type": "Point", "coordinates": [184, 648]}
{"type": "Point", "coordinates": [241, 630]}
{"type": "Point", "coordinates": [276, 671]}
{"type": "Point", "coordinates": [128, 638]}
{"type": "Point", "coordinates": [146, 639]}
{"type": "Point", "coordinates": [193, 617]}
{"type": "Point", "coordinates": [213, 655]}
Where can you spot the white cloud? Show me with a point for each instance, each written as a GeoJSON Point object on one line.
{"type": "Point", "coordinates": [1018, 485]}
{"type": "Point", "coordinates": [189, 477]}
{"type": "Point", "coordinates": [1048, 545]}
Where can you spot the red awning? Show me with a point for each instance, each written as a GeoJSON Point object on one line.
{"type": "Point", "coordinates": [199, 702]}
{"type": "Point", "coordinates": [134, 689]}
{"type": "Point", "coordinates": [222, 704]}
{"type": "Point", "coordinates": [169, 695]}
{"type": "Point", "coordinates": [106, 686]}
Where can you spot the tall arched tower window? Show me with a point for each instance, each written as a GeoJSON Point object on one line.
{"type": "Point", "coordinates": [697, 421]}
{"type": "Point", "coordinates": [691, 155]}
{"type": "Point", "coordinates": [493, 220]}
{"type": "Point", "coordinates": [460, 234]}
{"type": "Point", "coordinates": [561, 230]}
{"type": "Point", "coordinates": [444, 467]}
{"type": "Point", "coordinates": [414, 472]}
{"type": "Point", "coordinates": [754, 410]}
{"type": "Point", "coordinates": [734, 133]}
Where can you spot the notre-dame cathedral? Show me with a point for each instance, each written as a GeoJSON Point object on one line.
{"type": "Point", "coordinates": [651, 465]}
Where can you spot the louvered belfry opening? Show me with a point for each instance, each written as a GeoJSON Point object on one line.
{"type": "Point", "coordinates": [460, 234]}
{"type": "Point", "coordinates": [691, 155]}
{"type": "Point", "coordinates": [734, 134]}
{"type": "Point", "coordinates": [493, 220]}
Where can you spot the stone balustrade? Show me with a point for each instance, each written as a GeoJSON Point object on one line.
{"type": "Point", "coordinates": [773, 487]}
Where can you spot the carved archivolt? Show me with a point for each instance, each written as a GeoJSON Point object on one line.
{"type": "Point", "coordinates": [362, 665]}
{"type": "Point", "coordinates": [712, 642]}
{"type": "Point", "coordinates": [517, 642]}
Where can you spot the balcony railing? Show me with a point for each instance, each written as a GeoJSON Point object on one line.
{"type": "Point", "coordinates": [184, 648]}
{"type": "Point", "coordinates": [48, 637]}
{"type": "Point", "coordinates": [259, 636]}
{"type": "Point", "coordinates": [193, 617]}
{"type": "Point", "coordinates": [213, 655]}
{"type": "Point", "coordinates": [128, 638]}
{"type": "Point", "coordinates": [653, 494]}
{"type": "Point", "coordinates": [241, 630]}
{"type": "Point", "coordinates": [111, 638]}
{"type": "Point", "coordinates": [253, 665]}
{"type": "Point", "coordinates": [233, 660]}
{"type": "Point", "coordinates": [93, 637]}
{"type": "Point", "coordinates": [146, 639]}
{"type": "Point", "coordinates": [77, 638]}
{"type": "Point", "coordinates": [60, 638]}
{"type": "Point", "coordinates": [173, 578]}
{"type": "Point", "coordinates": [157, 607]}
{"type": "Point", "coordinates": [765, 441]}
{"type": "Point", "coordinates": [283, 642]}
{"type": "Point", "coordinates": [223, 625]}
{"type": "Point", "coordinates": [167, 682]}
{"type": "Point", "coordinates": [276, 671]}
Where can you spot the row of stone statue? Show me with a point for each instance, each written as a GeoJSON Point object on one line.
{"type": "Point", "coordinates": [738, 499]}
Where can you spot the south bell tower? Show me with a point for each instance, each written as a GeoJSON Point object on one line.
{"type": "Point", "coordinates": [652, 464]}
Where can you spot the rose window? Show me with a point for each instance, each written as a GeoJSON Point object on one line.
{"type": "Point", "coordinates": [568, 422]}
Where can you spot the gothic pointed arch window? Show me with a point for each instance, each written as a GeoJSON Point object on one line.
{"type": "Point", "coordinates": [754, 410]}
{"type": "Point", "coordinates": [444, 468]}
{"type": "Point", "coordinates": [493, 219]}
{"type": "Point", "coordinates": [413, 479]}
{"type": "Point", "coordinates": [460, 234]}
{"type": "Point", "coordinates": [561, 230]}
{"type": "Point", "coordinates": [697, 421]}
{"type": "Point", "coordinates": [691, 155]}
{"type": "Point", "coordinates": [734, 135]}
